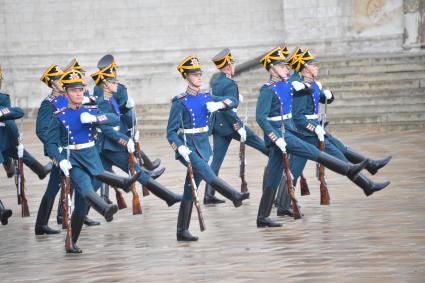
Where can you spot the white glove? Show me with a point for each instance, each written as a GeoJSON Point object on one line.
{"type": "Point", "coordinates": [240, 98]}
{"type": "Point", "coordinates": [20, 150]}
{"type": "Point", "coordinates": [87, 118]}
{"type": "Point", "coordinates": [184, 151]}
{"type": "Point", "coordinates": [214, 106]}
{"type": "Point", "coordinates": [137, 136]}
{"type": "Point", "coordinates": [280, 142]}
{"type": "Point", "coordinates": [328, 94]}
{"type": "Point", "coordinates": [130, 103]}
{"type": "Point", "coordinates": [1, 113]}
{"type": "Point", "coordinates": [320, 132]}
{"type": "Point", "coordinates": [86, 100]}
{"type": "Point", "coordinates": [242, 133]}
{"type": "Point", "coordinates": [65, 166]}
{"type": "Point", "coordinates": [130, 146]}
{"type": "Point", "coordinates": [298, 85]}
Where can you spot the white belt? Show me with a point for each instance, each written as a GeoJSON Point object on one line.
{"type": "Point", "coordinates": [116, 128]}
{"type": "Point", "coordinates": [312, 117]}
{"type": "Point", "coordinates": [2, 124]}
{"type": "Point", "coordinates": [280, 118]}
{"type": "Point", "coordinates": [80, 146]}
{"type": "Point", "coordinates": [194, 130]}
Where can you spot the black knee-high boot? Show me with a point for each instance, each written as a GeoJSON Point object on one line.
{"type": "Point", "coordinates": [162, 192]}
{"type": "Point", "coordinates": [373, 166]}
{"type": "Point", "coordinates": [37, 167]}
{"type": "Point", "coordinates": [283, 200]}
{"type": "Point", "coordinates": [99, 204]}
{"type": "Point", "coordinates": [209, 196]}
{"type": "Point", "coordinates": [77, 222]}
{"type": "Point", "coordinates": [368, 186]}
{"type": "Point", "coordinates": [340, 166]}
{"type": "Point", "coordinates": [150, 165]}
{"type": "Point", "coordinates": [118, 181]}
{"type": "Point", "coordinates": [265, 208]}
{"type": "Point", "coordinates": [4, 214]}
{"type": "Point", "coordinates": [43, 215]}
{"type": "Point", "coordinates": [183, 221]}
{"type": "Point", "coordinates": [228, 192]}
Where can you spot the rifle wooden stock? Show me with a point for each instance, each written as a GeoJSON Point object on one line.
{"type": "Point", "coordinates": [67, 213]}
{"type": "Point", "coordinates": [25, 212]}
{"type": "Point", "coordinates": [137, 208]}
{"type": "Point", "coordinates": [244, 185]}
{"type": "Point", "coordinates": [195, 197]}
{"type": "Point", "coordinates": [17, 181]}
{"type": "Point", "coordinates": [324, 193]}
{"type": "Point", "coordinates": [120, 199]}
{"type": "Point", "coordinates": [62, 201]}
{"type": "Point", "coordinates": [304, 186]}
{"type": "Point", "coordinates": [145, 191]}
{"type": "Point", "coordinates": [295, 206]}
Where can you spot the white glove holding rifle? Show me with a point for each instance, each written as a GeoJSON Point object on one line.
{"type": "Point", "coordinates": [184, 151]}
{"type": "Point", "coordinates": [280, 142]}
{"type": "Point", "coordinates": [65, 166]}
{"type": "Point", "coordinates": [320, 132]}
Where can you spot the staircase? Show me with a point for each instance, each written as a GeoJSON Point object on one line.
{"type": "Point", "coordinates": [377, 92]}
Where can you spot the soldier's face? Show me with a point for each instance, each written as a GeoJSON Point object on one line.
{"type": "Point", "coordinates": [75, 95]}
{"type": "Point", "coordinates": [313, 70]}
{"type": "Point", "coordinates": [281, 71]}
{"type": "Point", "coordinates": [111, 86]}
{"type": "Point", "coordinates": [194, 79]}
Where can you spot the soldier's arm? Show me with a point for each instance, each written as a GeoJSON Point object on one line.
{"type": "Point", "coordinates": [300, 100]}
{"type": "Point", "coordinates": [54, 141]}
{"type": "Point", "coordinates": [10, 113]}
{"type": "Point", "coordinates": [107, 119]}
{"type": "Point", "coordinates": [45, 114]}
{"type": "Point", "coordinates": [121, 97]}
{"type": "Point", "coordinates": [231, 91]}
{"type": "Point", "coordinates": [323, 94]}
{"type": "Point", "coordinates": [12, 130]}
{"type": "Point", "coordinates": [113, 134]}
{"type": "Point", "coordinates": [262, 111]}
{"type": "Point", "coordinates": [174, 124]}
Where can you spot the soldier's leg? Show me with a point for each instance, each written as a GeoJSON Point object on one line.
{"type": "Point", "coordinates": [356, 157]}
{"type": "Point", "coordinates": [43, 215]}
{"type": "Point", "coordinates": [185, 211]}
{"type": "Point", "coordinates": [8, 167]}
{"type": "Point", "coordinates": [255, 141]}
{"type": "Point", "coordinates": [77, 220]}
{"type": "Point", "coordinates": [273, 178]}
{"type": "Point", "coordinates": [36, 166]}
{"type": "Point", "coordinates": [84, 187]}
{"type": "Point", "coordinates": [220, 146]}
{"type": "Point", "coordinates": [120, 159]}
{"type": "Point", "coordinates": [299, 147]}
{"type": "Point", "coordinates": [4, 214]}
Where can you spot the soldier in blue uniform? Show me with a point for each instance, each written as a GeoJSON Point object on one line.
{"type": "Point", "coordinates": [11, 145]}
{"type": "Point", "coordinates": [274, 116]}
{"type": "Point", "coordinates": [306, 118]}
{"type": "Point", "coordinates": [117, 151]}
{"type": "Point", "coordinates": [6, 113]}
{"type": "Point", "coordinates": [189, 115]}
{"type": "Point", "coordinates": [72, 130]}
{"type": "Point", "coordinates": [226, 125]}
{"type": "Point", "coordinates": [126, 105]}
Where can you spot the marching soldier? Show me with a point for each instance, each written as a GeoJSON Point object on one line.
{"type": "Point", "coordinates": [7, 113]}
{"type": "Point", "coordinates": [226, 124]}
{"type": "Point", "coordinates": [126, 105]}
{"type": "Point", "coordinates": [274, 116]}
{"type": "Point", "coordinates": [306, 118]}
{"type": "Point", "coordinates": [189, 116]}
{"type": "Point", "coordinates": [71, 146]}
{"type": "Point", "coordinates": [116, 151]}
{"type": "Point", "coordinates": [12, 145]}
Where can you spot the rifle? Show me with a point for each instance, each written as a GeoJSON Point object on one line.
{"type": "Point", "coordinates": [304, 186]}
{"type": "Point", "coordinates": [120, 199]}
{"type": "Point", "coordinates": [295, 207]}
{"type": "Point", "coordinates": [193, 185]}
{"type": "Point", "coordinates": [242, 161]}
{"type": "Point", "coordinates": [62, 201]}
{"type": "Point", "coordinates": [320, 169]}
{"type": "Point", "coordinates": [67, 206]}
{"type": "Point", "coordinates": [20, 180]}
{"type": "Point", "coordinates": [138, 150]}
{"type": "Point", "coordinates": [137, 209]}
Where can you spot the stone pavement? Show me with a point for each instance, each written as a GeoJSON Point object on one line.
{"type": "Point", "coordinates": [355, 239]}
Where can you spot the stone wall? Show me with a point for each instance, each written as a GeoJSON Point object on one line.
{"type": "Point", "coordinates": [149, 37]}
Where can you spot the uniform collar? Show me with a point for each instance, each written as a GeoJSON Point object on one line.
{"type": "Point", "coordinates": [191, 91]}
{"type": "Point", "coordinates": [274, 79]}
{"type": "Point", "coordinates": [107, 94]}
{"type": "Point", "coordinates": [227, 76]}
{"type": "Point", "coordinates": [73, 106]}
